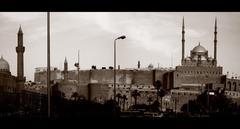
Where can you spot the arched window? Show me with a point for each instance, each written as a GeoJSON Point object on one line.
{"type": "Point", "coordinates": [235, 86]}
{"type": "Point", "coordinates": [229, 85]}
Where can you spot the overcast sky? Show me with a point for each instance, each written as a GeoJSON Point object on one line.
{"type": "Point", "coordinates": [152, 37]}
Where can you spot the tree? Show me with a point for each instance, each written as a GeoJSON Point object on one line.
{"type": "Point", "coordinates": [81, 97]}
{"type": "Point", "coordinates": [124, 97]}
{"type": "Point", "coordinates": [149, 102]}
{"type": "Point", "coordinates": [161, 94]}
{"type": "Point", "coordinates": [155, 106]}
{"type": "Point", "coordinates": [206, 102]}
{"type": "Point", "coordinates": [160, 91]}
{"type": "Point", "coordinates": [111, 108]}
{"type": "Point", "coordinates": [75, 95]}
{"type": "Point", "coordinates": [135, 94]}
{"type": "Point", "coordinates": [158, 85]}
{"type": "Point", "coordinates": [192, 106]}
{"type": "Point", "coordinates": [119, 96]}
{"type": "Point", "coordinates": [221, 103]}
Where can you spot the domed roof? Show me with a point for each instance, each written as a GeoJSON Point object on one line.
{"type": "Point", "coordinates": [4, 66]}
{"type": "Point", "coordinates": [199, 48]}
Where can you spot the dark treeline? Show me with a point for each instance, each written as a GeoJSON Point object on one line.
{"type": "Point", "coordinates": [213, 103]}
{"type": "Point", "coordinates": [35, 105]}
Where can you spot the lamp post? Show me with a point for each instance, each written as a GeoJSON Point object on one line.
{"type": "Point", "coordinates": [78, 68]}
{"type": "Point", "coordinates": [114, 78]}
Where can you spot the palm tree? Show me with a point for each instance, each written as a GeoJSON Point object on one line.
{"type": "Point", "coordinates": [75, 95]}
{"type": "Point", "coordinates": [81, 97]}
{"type": "Point", "coordinates": [158, 85]}
{"type": "Point", "coordinates": [124, 97]}
{"type": "Point", "coordinates": [149, 101]}
{"type": "Point", "coordinates": [119, 96]}
{"type": "Point", "coordinates": [135, 94]}
{"type": "Point", "coordinates": [161, 94]}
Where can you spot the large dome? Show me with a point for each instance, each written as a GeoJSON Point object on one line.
{"type": "Point", "coordinates": [4, 66]}
{"type": "Point", "coordinates": [199, 48]}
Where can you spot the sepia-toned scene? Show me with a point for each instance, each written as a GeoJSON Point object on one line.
{"type": "Point", "coordinates": [119, 64]}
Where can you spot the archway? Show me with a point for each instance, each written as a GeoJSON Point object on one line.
{"type": "Point", "coordinates": [229, 85]}
{"type": "Point", "coordinates": [235, 86]}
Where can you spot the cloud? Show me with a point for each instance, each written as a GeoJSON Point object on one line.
{"type": "Point", "coordinates": [155, 36]}
{"type": "Point", "coordinates": [21, 16]}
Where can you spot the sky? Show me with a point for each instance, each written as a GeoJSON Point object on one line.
{"type": "Point", "coordinates": [151, 37]}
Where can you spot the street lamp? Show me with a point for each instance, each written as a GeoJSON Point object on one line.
{"type": "Point", "coordinates": [114, 83]}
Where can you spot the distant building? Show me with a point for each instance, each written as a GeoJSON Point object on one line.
{"type": "Point", "coordinates": [40, 75]}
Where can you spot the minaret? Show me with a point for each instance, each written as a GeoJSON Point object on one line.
{"type": "Point", "coordinates": [65, 70]}
{"type": "Point", "coordinates": [20, 60]}
{"type": "Point", "coordinates": [215, 42]}
{"type": "Point", "coordinates": [138, 64]}
{"type": "Point", "coordinates": [183, 40]}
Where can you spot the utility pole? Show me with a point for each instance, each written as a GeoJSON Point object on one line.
{"type": "Point", "coordinates": [48, 65]}
{"type": "Point", "coordinates": [175, 106]}
{"type": "Point", "coordinates": [208, 102]}
{"type": "Point", "coordinates": [172, 59]}
{"type": "Point", "coordinates": [78, 67]}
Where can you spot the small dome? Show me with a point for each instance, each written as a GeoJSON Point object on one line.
{"type": "Point", "coordinates": [188, 58]}
{"type": "Point", "coordinates": [4, 66]}
{"type": "Point", "coordinates": [201, 57]}
{"type": "Point", "coordinates": [199, 48]}
{"type": "Point", "coordinates": [150, 66]}
{"type": "Point", "coordinates": [195, 58]}
{"type": "Point", "coordinates": [210, 58]}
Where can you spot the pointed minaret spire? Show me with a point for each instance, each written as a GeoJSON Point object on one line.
{"type": "Point", "coordinates": [215, 24]}
{"type": "Point", "coordinates": [65, 69]}
{"type": "Point", "coordinates": [20, 30]}
{"type": "Point", "coordinates": [65, 61]}
{"type": "Point", "coordinates": [215, 41]}
{"type": "Point", "coordinates": [183, 39]}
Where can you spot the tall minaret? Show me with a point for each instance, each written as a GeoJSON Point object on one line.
{"type": "Point", "coordinates": [138, 64]}
{"type": "Point", "coordinates": [20, 66]}
{"type": "Point", "coordinates": [215, 42]}
{"type": "Point", "coordinates": [65, 70]}
{"type": "Point", "coordinates": [183, 40]}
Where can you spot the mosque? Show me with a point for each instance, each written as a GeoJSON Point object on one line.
{"type": "Point", "coordinates": [8, 82]}
{"type": "Point", "coordinates": [199, 68]}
